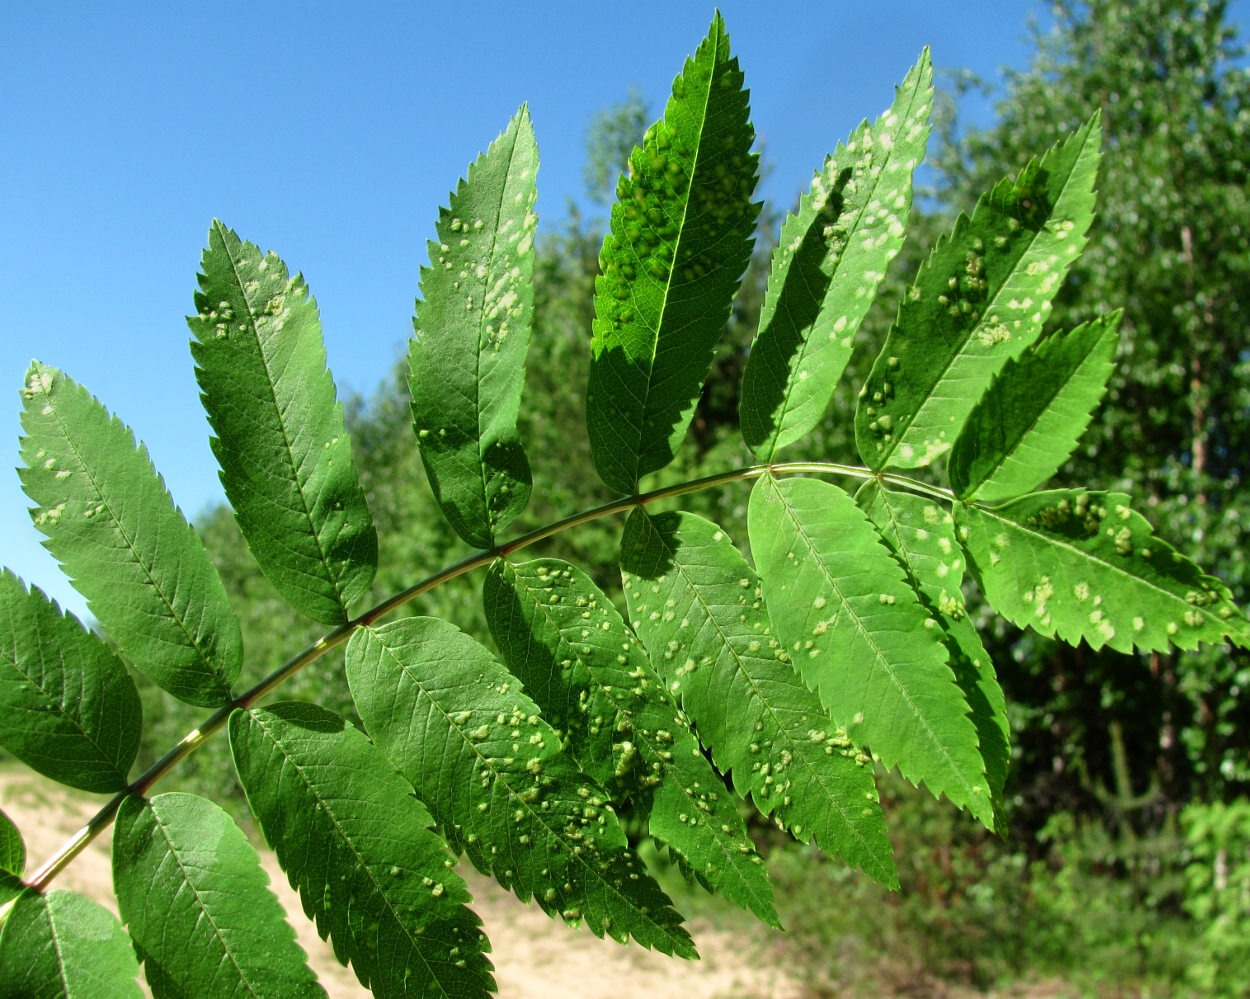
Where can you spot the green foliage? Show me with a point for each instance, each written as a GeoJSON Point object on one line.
{"type": "Point", "coordinates": [359, 852]}
{"type": "Point", "coordinates": [1023, 429]}
{"type": "Point", "coordinates": [478, 304]}
{"type": "Point", "coordinates": [285, 458]}
{"type": "Point", "coordinates": [61, 945]}
{"type": "Point", "coordinates": [1217, 893]}
{"type": "Point", "coordinates": [978, 300]}
{"type": "Point", "coordinates": [680, 240]}
{"type": "Point", "coordinates": [762, 725]}
{"type": "Point", "coordinates": [116, 532]}
{"type": "Point", "coordinates": [777, 680]}
{"type": "Point", "coordinates": [191, 889]}
{"type": "Point", "coordinates": [1169, 247]}
{"type": "Point", "coordinates": [68, 708]}
{"type": "Point", "coordinates": [831, 256]}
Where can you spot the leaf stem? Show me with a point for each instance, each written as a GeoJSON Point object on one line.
{"type": "Point", "coordinates": [197, 737]}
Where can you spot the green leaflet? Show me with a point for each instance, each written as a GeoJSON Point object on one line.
{"type": "Point", "coordinates": [540, 617]}
{"type": "Point", "coordinates": [858, 636]}
{"type": "Point", "coordinates": [466, 364]}
{"type": "Point", "coordinates": [922, 536]}
{"type": "Point", "coordinates": [1029, 421]}
{"type": "Point", "coordinates": [1083, 565]}
{"type": "Point", "coordinates": [680, 239]}
{"type": "Point", "coordinates": [192, 892]}
{"type": "Point", "coordinates": [64, 946]}
{"type": "Point", "coordinates": [68, 708]}
{"type": "Point", "coordinates": [548, 617]}
{"type": "Point", "coordinates": [831, 257]}
{"type": "Point", "coordinates": [12, 849]}
{"type": "Point", "coordinates": [358, 848]}
{"type": "Point", "coordinates": [979, 299]}
{"type": "Point", "coordinates": [457, 725]}
{"type": "Point", "coordinates": [286, 462]}
{"type": "Point", "coordinates": [128, 550]}
{"type": "Point", "coordinates": [686, 584]}
{"type": "Point", "coordinates": [12, 864]}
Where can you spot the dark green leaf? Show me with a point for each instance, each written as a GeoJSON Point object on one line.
{"type": "Point", "coordinates": [1025, 427]}
{"type": "Point", "coordinates": [12, 849]}
{"type": "Point", "coordinates": [198, 906]}
{"type": "Point", "coordinates": [833, 253]}
{"type": "Point", "coordinates": [688, 586]}
{"type": "Point", "coordinates": [127, 548]}
{"type": "Point", "coordinates": [1083, 565]}
{"type": "Point", "coordinates": [358, 848]}
{"type": "Point", "coordinates": [979, 299]}
{"type": "Point", "coordinates": [922, 536]}
{"type": "Point", "coordinates": [64, 946]}
{"type": "Point", "coordinates": [548, 617]}
{"type": "Point", "coordinates": [457, 725]}
{"type": "Point", "coordinates": [680, 239]}
{"type": "Point", "coordinates": [68, 708]}
{"type": "Point", "coordinates": [285, 458]}
{"type": "Point", "coordinates": [860, 638]}
{"type": "Point", "coordinates": [466, 364]}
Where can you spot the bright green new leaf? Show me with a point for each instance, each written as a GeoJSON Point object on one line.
{"type": "Point", "coordinates": [860, 638]}
{"type": "Point", "coordinates": [198, 905]}
{"type": "Point", "coordinates": [922, 536]}
{"type": "Point", "coordinates": [454, 722]}
{"type": "Point", "coordinates": [680, 239]}
{"type": "Point", "coordinates": [1027, 424]}
{"type": "Point", "coordinates": [687, 585]}
{"type": "Point", "coordinates": [68, 708]}
{"type": "Point", "coordinates": [64, 946]}
{"type": "Point", "coordinates": [548, 617]}
{"type": "Point", "coordinates": [832, 255]}
{"type": "Point", "coordinates": [127, 548]}
{"type": "Point", "coordinates": [12, 849]}
{"type": "Point", "coordinates": [286, 461]}
{"type": "Point", "coordinates": [979, 299]}
{"type": "Point", "coordinates": [1083, 565]}
{"type": "Point", "coordinates": [466, 364]}
{"type": "Point", "coordinates": [358, 848]}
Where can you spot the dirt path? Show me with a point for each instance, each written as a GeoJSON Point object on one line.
{"type": "Point", "coordinates": [534, 957]}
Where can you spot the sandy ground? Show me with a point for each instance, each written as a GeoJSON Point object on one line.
{"type": "Point", "coordinates": [534, 957]}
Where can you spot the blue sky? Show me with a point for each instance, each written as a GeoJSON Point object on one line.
{"type": "Point", "coordinates": [331, 133]}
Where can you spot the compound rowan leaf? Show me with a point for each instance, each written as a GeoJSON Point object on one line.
{"type": "Point", "coordinates": [859, 637]}
{"type": "Point", "coordinates": [64, 946]}
{"type": "Point", "coordinates": [466, 364]}
{"type": "Point", "coordinates": [548, 617]}
{"type": "Point", "coordinates": [1084, 565]}
{"type": "Point", "coordinates": [68, 708]}
{"type": "Point", "coordinates": [126, 547]}
{"type": "Point", "coordinates": [832, 255]}
{"type": "Point", "coordinates": [679, 242]}
{"type": "Point", "coordinates": [689, 588]}
{"type": "Point", "coordinates": [979, 299]}
{"type": "Point", "coordinates": [922, 537]}
{"type": "Point", "coordinates": [198, 905]}
{"type": "Point", "coordinates": [1025, 427]}
{"type": "Point", "coordinates": [286, 461]}
{"type": "Point", "coordinates": [454, 722]}
{"type": "Point", "coordinates": [358, 848]}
